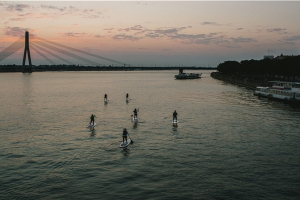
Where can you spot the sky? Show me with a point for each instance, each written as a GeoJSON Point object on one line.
{"type": "Point", "coordinates": [156, 33]}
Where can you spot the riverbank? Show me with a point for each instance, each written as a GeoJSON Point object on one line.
{"type": "Point", "coordinates": [44, 68]}
{"type": "Point", "coordinates": [244, 82]}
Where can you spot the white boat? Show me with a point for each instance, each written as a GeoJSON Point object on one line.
{"type": "Point", "coordinates": [182, 75]}
{"type": "Point", "coordinates": [280, 90]}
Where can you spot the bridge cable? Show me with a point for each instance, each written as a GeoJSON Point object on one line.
{"type": "Point", "coordinates": [41, 54]}
{"type": "Point", "coordinates": [65, 52]}
{"type": "Point", "coordinates": [14, 47]}
{"type": "Point", "coordinates": [49, 52]}
{"type": "Point", "coordinates": [80, 51]}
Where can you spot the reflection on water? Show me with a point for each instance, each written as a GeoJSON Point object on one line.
{"type": "Point", "coordinates": [229, 144]}
{"type": "Point", "coordinates": [93, 132]}
{"type": "Point", "coordinates": [134, 125]}
{"type": "Point", "coordinates": [175, 125]}
{"type": "Point", "coordinates": [126, 151]}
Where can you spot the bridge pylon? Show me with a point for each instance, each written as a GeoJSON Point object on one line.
{"type": "Point", "coordinates": [26, 69]}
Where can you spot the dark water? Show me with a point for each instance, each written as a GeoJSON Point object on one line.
{"type": "Point", "coordinates": [228, 144]}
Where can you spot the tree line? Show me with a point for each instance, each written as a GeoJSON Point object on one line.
{"type": "Point", "coordinates": [282, 68]}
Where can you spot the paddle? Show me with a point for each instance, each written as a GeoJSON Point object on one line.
{"type": "Point", "coordinates": [131, 141]}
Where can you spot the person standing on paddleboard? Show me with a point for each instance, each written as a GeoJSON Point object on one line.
{"type": "Point", "coordinates": [105, 97]}
{"type": "Point", "coordinates": [135, 113]}
{"type": "Point", "coordinates": [125, 133]}
{"type": "Point", "coordinates": [174, 115]}
{"type": "Point", "coordinates": [92, 119]}
{"type": "Point", "coordinates": [127, 95]}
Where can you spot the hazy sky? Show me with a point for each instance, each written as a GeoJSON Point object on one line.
{"type": "Point", "coordinates": [161, 33]}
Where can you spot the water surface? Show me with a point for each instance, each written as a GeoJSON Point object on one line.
{"type": "Point", "coordinates": [228, 144]}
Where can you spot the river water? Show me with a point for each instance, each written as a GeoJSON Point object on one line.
{"type": "Point", "coordinates": [228, 143]}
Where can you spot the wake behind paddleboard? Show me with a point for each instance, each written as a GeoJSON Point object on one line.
{"type": "Point", "coordinates": [91, 125]}
{"type": "Point", "coordinates": [125, 144]}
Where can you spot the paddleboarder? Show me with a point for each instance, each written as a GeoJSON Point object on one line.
{"type": "Point", "coordinates": [127, 96]}
{"type": "Point", "coordinates": [92, 119]}
{"type": "Point", "coordinates": [105, 97]}
{"type": "Point", "coordinates": [135, 113]}
{"type": "Point", "coordinates": [125, 133]}
{"type": "Point", "coordinates": [175, 115]}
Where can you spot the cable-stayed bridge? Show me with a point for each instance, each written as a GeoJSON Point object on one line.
{"type": "Point", "coordinates": [54, 53]}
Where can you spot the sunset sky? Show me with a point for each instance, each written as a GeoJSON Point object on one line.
{"type": "Point", "coordinates": [156, 33]}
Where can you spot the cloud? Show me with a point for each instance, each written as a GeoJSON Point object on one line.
{"type": "Point", "coordinates": [146, 33]}
{"type": "Point", "coordinates": [88, 11]}
{"type": "Point", "coordinates": [50, 11]}
{"type": "Point", "coordinates": [15, 31]}
{"type": "Point", "coordinates": [243, 40]}
{"type": "Point", "coordinates": [163, 32]}
{"type": "Point", "coordinates": [16, 19]}
{"type": "Point", "coordinates": [91, 13]}
{"type": "Point", "coordinates": [169, 31]}
{"type": "Point", "coordinates": [195, 39]}
{"type": "Point", "coordinates": [291, 40]}
{"type": "Point", "coordinates": [126, 37]}
{"type": "Point", "coordinates": [16, 7]}
{"type": "Point", "coordinates": [259, 30]}
{"type": "Point", "coordinates": [74, 11]}
{"type": "Point", "coordinates": [72, 34]}
{"type": "Point", "coordinates": [134, 28]}
{"type": "Point", "coordinates": [153, 35]}
{"type": "Point", "coordinates": [109, 30]}
{"type": "Point", "coordinates": [25, 15]}
{"type": "Point", "coordinates": [61, 9]}
{"type": "Point", "coordinates": [211, 23]}
{"type": "Point", "coordinates": [99, 36]}
{"type": "Point", "coordinates": [50, 7]}
{"type": "Point", "coordinates": [139, 32]}
{"type": "Point", "coordinates": [92, 16]}
{"type": "Point", "coordinates": [188, 36]}
{"type": "Point", "coordinates": [141, 3]}
{"type": "Point", "coordinates": [277, 30]}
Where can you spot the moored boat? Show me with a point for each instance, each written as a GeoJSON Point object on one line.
{"type": "Point", "coordinates": [280, 90]}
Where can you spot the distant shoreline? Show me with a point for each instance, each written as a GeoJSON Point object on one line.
{"type": "Point", "coordinates": [45, 68]}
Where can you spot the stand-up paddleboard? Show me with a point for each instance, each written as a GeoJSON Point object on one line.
{"type": "Point", "coordinates": [135, 119]}
{"type": "Point", "coordinates": [174, 121]}
{"type": "Point", "coordinates": [91, 125]}
{"type": "Point", "coordinates": [125, 144]}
